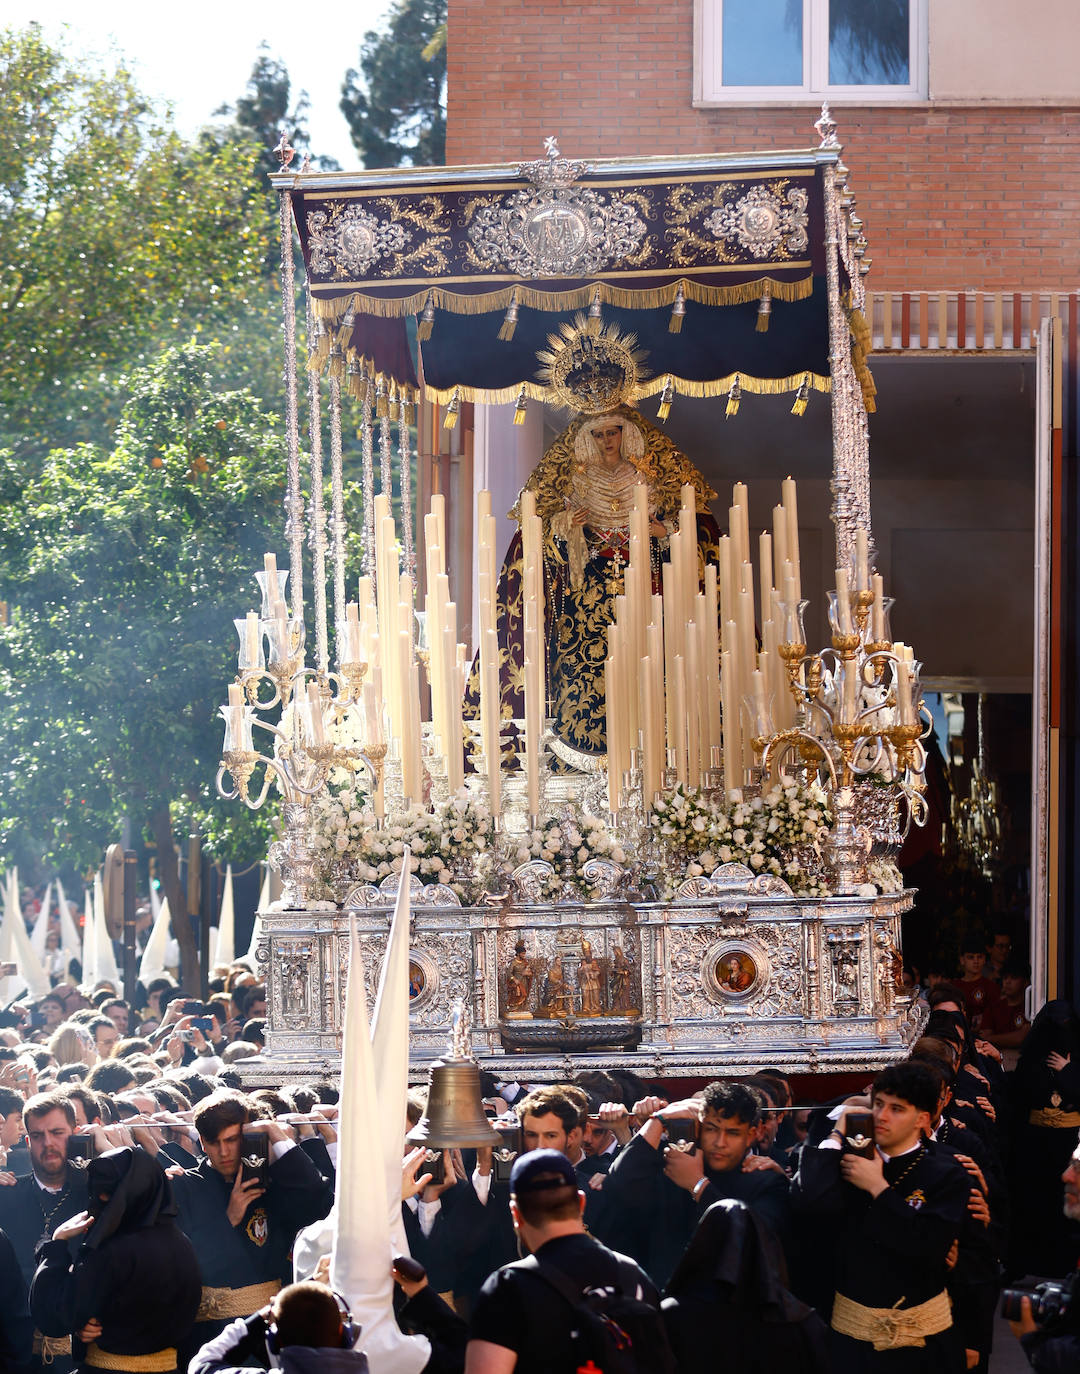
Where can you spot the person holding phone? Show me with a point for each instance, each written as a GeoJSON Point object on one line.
{"type": "Point", "coordinates": [893, 1214]}
{"type": "Point", "coordinates": [657, 1191]}
{"type": "Point", "coordinates": [241, 1218]}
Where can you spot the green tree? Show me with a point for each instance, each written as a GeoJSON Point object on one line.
{"type": "Point", "coordinates": [124, 568]}
{"type": "Point", "coordinates": [395, 104]}
{"type": "Point", "coordinates": [116, 236]}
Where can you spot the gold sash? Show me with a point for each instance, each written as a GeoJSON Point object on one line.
{"type": "Point", "coordinates": [48, 1347]}
{"type": "Point", "coordinates": [1055, 1117]}
{"type": "Point", "coordinates": [235, 1302]}
{"type": "Point", "coordinates": [889, 1328]}
{"type": "Point", "coordinates": [157, 1362]}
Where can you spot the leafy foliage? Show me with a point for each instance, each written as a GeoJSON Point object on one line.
{"type": "Point", "coordinates": [116, 235]}
{"type": "Point", "coordinates": [395, 104]}
{"type": "Point", "coordinates": [124, 568]}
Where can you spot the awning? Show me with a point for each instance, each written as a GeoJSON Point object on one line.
{"type": "Point", "coordinates": [461, 276]}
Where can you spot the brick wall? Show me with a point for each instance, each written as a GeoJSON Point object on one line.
{"type": "Point", "coordinates": [961, 198]}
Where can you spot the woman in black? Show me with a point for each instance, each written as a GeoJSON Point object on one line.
{"type": "Point", "coordinates": [727, 1295]}
{"type": "Point", "coordinates": [131, 1295]}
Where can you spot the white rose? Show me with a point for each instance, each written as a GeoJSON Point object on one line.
{"type": "Point", "coordinates": [341, 843]}
{"type": "Point", "coordinates": [618, 855]}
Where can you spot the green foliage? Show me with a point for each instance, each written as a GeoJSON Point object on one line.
{"type": "Point", "coordinates": [263, 111]}
{"type": "Point", "coordinates": [395, 104]}
{"type": "Point", "coordinates": [116, 237]}
{"type": "Point", "coordinates": [124, 568]}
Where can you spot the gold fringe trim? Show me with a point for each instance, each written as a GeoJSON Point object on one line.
{"type": "Point", "coordinates": [627, 298]}
{"type": "Point", "coordinates": [760, 386]}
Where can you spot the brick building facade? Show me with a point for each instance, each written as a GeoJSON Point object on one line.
{"type": "Point", "coordinates": [969, 186]}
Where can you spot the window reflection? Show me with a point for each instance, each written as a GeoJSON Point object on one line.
{"type": "Point", "coordinates": [869, 42]}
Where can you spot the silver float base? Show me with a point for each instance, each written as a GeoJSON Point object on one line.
{"type": "Point", "coordinates": [725, 982]}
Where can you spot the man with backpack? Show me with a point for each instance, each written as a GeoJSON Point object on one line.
{"type": "Point", "coordinates": [572, 1304]}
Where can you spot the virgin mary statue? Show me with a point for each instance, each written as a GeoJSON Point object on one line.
{"type": "Point", "coordinates": [584, 486]}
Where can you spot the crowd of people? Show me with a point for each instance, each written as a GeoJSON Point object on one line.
{"type": "Point", "coordinates": [154, 1214]}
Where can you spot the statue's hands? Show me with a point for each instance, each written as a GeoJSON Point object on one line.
{"type": "Point", "coordinates": [658, 529]}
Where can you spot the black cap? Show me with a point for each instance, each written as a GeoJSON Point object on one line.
{"type": "Point", "coordinates": [540, 1169]}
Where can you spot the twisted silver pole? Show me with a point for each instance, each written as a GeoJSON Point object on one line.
{"type": "Point", "coordinates": [368, 480]}
{"type": "Point", "coordinates": [405, 478]}
{"type": "Point", "coordinates": [337, 518]}
{"type": "Point", "coordinates": [294, 500]}
{"type": "Point", "coordinates": [317, 510]}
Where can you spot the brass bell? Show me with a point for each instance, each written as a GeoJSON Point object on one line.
{"type": "Point", "coordinates": [455, 1114]}
{"type": "Point", "coordinates": [454, 1118]}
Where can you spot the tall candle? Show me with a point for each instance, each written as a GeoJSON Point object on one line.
{"type": "Point", "coordinates": [732, 739]}
{"type": "Point", "coordinates": [843, 601]}
{"type": "Point", "coordinates": [904, 704]}
{"type": "Point", "coordinates": [878, 612]}
{"type": "Point", "coordinates": [862, 561]}
{"type": "Point", "coordinates": [791, 511]}
{"type": "Point", "coordinates": [492, 723]}
{"type": "Point", "coordinates": [765, 572]}
{"type": "Point", "coordinates": [315, 715]}
{"type": "Point", "coordinates": [779, 541]}
{"type": "Point", "coordinates": [679, 719]}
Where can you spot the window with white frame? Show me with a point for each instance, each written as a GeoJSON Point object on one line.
{"type": "Point", "coordinates": [791, 50]}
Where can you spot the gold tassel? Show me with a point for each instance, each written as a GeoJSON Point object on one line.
{"type": "Point", "coordinates": [453, 410]}
{"type": "Point", "coordinates": [764, 311]}
{"type": "Point", "coordinates": [678, 312]}
{"type": "Point", "coordinates": [594, 308]}
{"type": "Point", "coordinates": [666, 398]}
{"type": "Point", "coordinates": [427, 318]}
{"type": "Point", "coordinates": [510, 319]}
{"type": "Point", "coordinates": [802, 396]}
{"type": "Point", "coordinates": [734, 396]}
{"type": "Point", "coordinates": [519, 408]}
{"type": "Point", "coordinates": [382, 407]}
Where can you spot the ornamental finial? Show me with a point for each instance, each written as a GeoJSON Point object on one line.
{"type": "Point", "coordinates": [551, 147]}
{"type": "Point", "coordinates": [827, 127]}
{"type": "Point", "coordinates": [285, 153]}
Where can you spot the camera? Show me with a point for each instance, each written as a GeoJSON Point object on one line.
{"type": "Point", "coordinates": [435, 1165]}
{"type": "Point", "coordinates": [1049, 1300]}
{"type": "Point", "coordinates": [201, 1023]}
{"type": "Point", "coordinates": [255, 1158]}
{"type": "Point", "coordinates": [859, 1134]}
{"type": "Point", "coordinates": [504, 1155]}
{"type": "Point", "coordinates": [682, 1134]}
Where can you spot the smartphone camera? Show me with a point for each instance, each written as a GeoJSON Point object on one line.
{"type": "Point", "coordinates": [859, 1134]}
{"type": "Point", "coordinates": [504, 1154]}
{"type": "Point", "coordinates": [682, 1134]}
{"type": "Point", "coordinates": [435, 1165]}
{"type": "Point", "coordinates": [255, 1158]}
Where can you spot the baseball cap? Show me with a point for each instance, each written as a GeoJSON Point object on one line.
{"type": "Point", "coordinates": [540, 1169]}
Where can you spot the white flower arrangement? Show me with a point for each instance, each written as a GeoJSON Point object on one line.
{"type": "Point", "coordinates": [760, 832]}
{"type": "Point", "coordinates": [569, 843]}
{"type": "Point", "coordinates": [449, 846]}
{"type": "Point", "coordinates": [884, 875]}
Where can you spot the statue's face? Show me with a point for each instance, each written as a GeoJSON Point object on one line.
{"type": "Point", "coordinates": [608, 436]}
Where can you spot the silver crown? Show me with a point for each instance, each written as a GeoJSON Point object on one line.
{"type": "Point", "coordinates": [553, 171]}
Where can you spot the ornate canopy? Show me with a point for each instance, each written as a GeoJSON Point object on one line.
{"type": "Point", "coordinates": [460, 276]}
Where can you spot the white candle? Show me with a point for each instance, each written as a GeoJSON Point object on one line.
{"type": "Point", "coordinates": [765, 572]}
{"type": "Point", "coordinates": [732, 739]}
{"type": "Point", "coordinates": [317, 734]}
{"type": "Point", "coordinates": [843, 602]}
{"type": "Point", "coordinates": [791, 512]}
{"type": "Point", "coordinates": [252, 639]}
{"type": "Point", "coordinates": [905, 706]}
{"type": "Point", "coordinates": [878, 612]}
{"type": "Point", "coordinates": [350, 652]}
{"type": "Point", "coordinates": [679, 718]}
{"type": "Point", "coordinates": [862, 561]}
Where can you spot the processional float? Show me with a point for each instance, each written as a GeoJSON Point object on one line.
{"type": "Point", "coordinates": [650, 826]}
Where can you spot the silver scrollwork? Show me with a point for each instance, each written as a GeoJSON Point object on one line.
{"type": "Point", "coordinates": [555, 229]}
{"type": "Point", "coordinates": [762, 220]}
{"type": "Point", "coordinates": [347, 240]}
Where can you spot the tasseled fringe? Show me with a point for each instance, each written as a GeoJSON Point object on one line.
{"type": "Point", "coordinates": [594, 306]}
{"type": "Point", "coordinates": [666, 398]}
{"type": "Point", "coordinates": [427, 318]}
{"type": "Point", "coordinates": [453, 410]}
{"type": "Point", "coordinates": [802, 396]}
{"type": "Point", "coordinates": [678, 312]}
{"type": "Point", "coordinates": [556, 302]}
{"type": "Point", "coordinates": [764, 312]}
{"type": "Point", "coordinates": [536, 391]}
{"type": "Point", "coordinates": [734, 396]}
{"type": "Point", "coordinates": [510, 319]}
{"type": "Point", "coordinates": [382, 404]}
{"type": "Point", "coordinates": [519, 408]}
